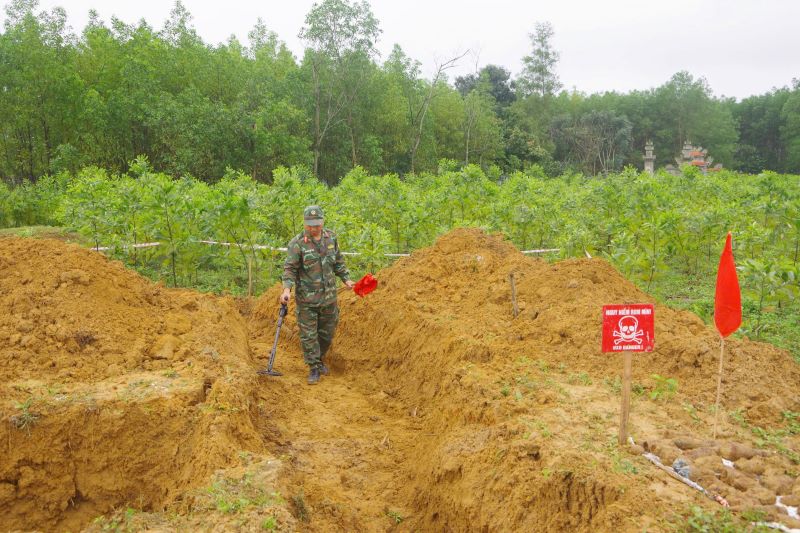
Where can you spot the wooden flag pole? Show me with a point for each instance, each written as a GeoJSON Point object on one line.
{"type": "Point", "coordinates": [626, 398]}
{"type": "Point", "coordinates": [719, 384]}
{"type": "Point", "coordinates": [514, 306]}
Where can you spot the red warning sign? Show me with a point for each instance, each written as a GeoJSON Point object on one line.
{"type": "Point", "coordinates": [628, 328]}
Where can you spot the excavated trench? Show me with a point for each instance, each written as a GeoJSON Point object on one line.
{"type": "Point", "coordinates": [442, 413]}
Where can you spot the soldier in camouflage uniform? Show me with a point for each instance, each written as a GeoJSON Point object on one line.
{"type": "Point", "coordinates": [312, 262]}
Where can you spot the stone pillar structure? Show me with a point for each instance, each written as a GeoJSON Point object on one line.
{"type": "Point", "coordinates": [649, 158]}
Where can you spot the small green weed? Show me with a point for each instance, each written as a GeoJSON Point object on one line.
{"type": "Point", "coordinates": [394, 515]}
{"type": "Point", "coordinates": [299, 501]}
{"type": "Point", "coordinates": [614, 384]}
{"type": "Point", "coordinates": [537, 425]}
{"type": "Point", "coordinates": [582, 378]}
{"type": "Point", "coordinates": [25, 419]}
{"type": "Point", "coordinates": [792, 420]}
{"type": "Point", "coordinates": [738, 417]}
{"type": "Point", "coordinates": [526, 382]}
{"type": "Point", "coordinates": [620, 464]}
{"type": "Point", "coordinates": [269, 524]}
{"type": "Point", "coordinates": [664, 388]}
{"type": "Point", "coordinates": [117, 523]}
{"type": "Point", "coordinates": [692, 410]}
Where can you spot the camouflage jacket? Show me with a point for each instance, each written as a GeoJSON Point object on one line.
{"type": "Point", "coordinates": [310, 268]}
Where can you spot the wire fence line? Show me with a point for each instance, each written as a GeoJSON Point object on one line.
{"type": "Point", "coordinates": [276, 249]}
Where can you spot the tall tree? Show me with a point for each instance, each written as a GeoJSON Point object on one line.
{"type": "Point", "coordinates": [539, 74]}
{"type": "Point", "coordinates": [496, 78]}
{"type": "Point", "coordinates": [685, 110]}
{"type": "Point", "coordinates": [759, 119]}
{"type": "Point", "coordinates": [790, 131]}
{"type": "Point", "coordinates": [341, 38]}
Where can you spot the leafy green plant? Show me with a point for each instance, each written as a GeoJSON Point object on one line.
{"type": "Point", "coordinates": [767, 282]}
{"type": "Point", "coordinates": [656, 233]}
{"type": "Point", "coordinates": [664, 388]}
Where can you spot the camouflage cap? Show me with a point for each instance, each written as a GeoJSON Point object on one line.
{"type": "Point", "coordinates": [312, 215]}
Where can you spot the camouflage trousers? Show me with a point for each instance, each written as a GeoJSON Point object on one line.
{"type": "Point", "coordinates": [317, 324]}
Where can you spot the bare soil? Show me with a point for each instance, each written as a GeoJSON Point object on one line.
{"type": "Point", "coordinates": [442, 412]}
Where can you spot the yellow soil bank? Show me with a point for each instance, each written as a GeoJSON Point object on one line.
{"type": "Point", "coordinates": [442, 413]}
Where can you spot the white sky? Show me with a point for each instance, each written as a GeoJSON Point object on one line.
{"type": "Point", "coordinates": [742, 47]}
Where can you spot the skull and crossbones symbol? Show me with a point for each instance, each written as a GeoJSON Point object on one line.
{"type": "Point", "coordinates": [628, 331]}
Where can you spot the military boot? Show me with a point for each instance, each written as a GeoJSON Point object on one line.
{"type": "Point", "coordinates": [322, 368]}
{"type": "Point", "coordinates": [313, 375]}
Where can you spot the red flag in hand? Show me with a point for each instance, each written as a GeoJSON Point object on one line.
{"type": "Point", "coordinates": [728, 298]}
{"type": "Point", "coordinates": [365, 285]}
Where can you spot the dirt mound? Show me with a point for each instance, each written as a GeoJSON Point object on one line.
{"type": "Point", "coordinates": [443, 412]}
{"type": "Point", "coordinates": [114, 391]}
{"type": "Point", "coordinates": [73, 315]}
{"type": "Point", "coordinates": [505, 423]}
{"type": "Point", "coordinates": [454, 300]}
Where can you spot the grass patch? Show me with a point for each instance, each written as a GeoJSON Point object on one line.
{"type": "Point", "coordinates": [773, 438]}
{"type": "Point", "coordinates": [699, 520]}
{"type": "Point", "coordinates": [44, 232]}
{"type": "Point", "coordinates": [579, 378]}
{"type": "Point", "coordinates": [24, 419]}
{"type": "Point", "coordinates": [118, 523]}
{"type": "Point", "coordinates": [233, 496]}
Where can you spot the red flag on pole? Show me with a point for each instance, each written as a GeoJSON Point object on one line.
{"type": "Point", "coordinates": [728, 298]}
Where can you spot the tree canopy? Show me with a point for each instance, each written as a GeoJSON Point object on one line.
{"type": "Point", "coordinates": [117, 91]}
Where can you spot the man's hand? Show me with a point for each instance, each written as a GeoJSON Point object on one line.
{"type": "Point", "coordinates": [350, 284]}
{"type": "Point", "coordinates": [285, 295]}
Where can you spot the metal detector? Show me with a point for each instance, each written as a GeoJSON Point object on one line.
{"type": "Point", "coordinates": [269, 371]}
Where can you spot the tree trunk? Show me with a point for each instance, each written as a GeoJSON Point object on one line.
{"type": "Point", "coordinates": [317, 132]}
{"type": "Point", "coordinates": [426, 102]}
{"type": "Point", "coordinates": [352, 136]}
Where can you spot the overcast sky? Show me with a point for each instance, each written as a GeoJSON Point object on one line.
{"type": "Point", "coordinates": [742, 47]}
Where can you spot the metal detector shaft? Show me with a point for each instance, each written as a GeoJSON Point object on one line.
{"type": "Point", "coordinates": [269, 371]}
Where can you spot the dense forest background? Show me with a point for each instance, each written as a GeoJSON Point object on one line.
{"type": "Point", "coordinates": [117, 91]}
